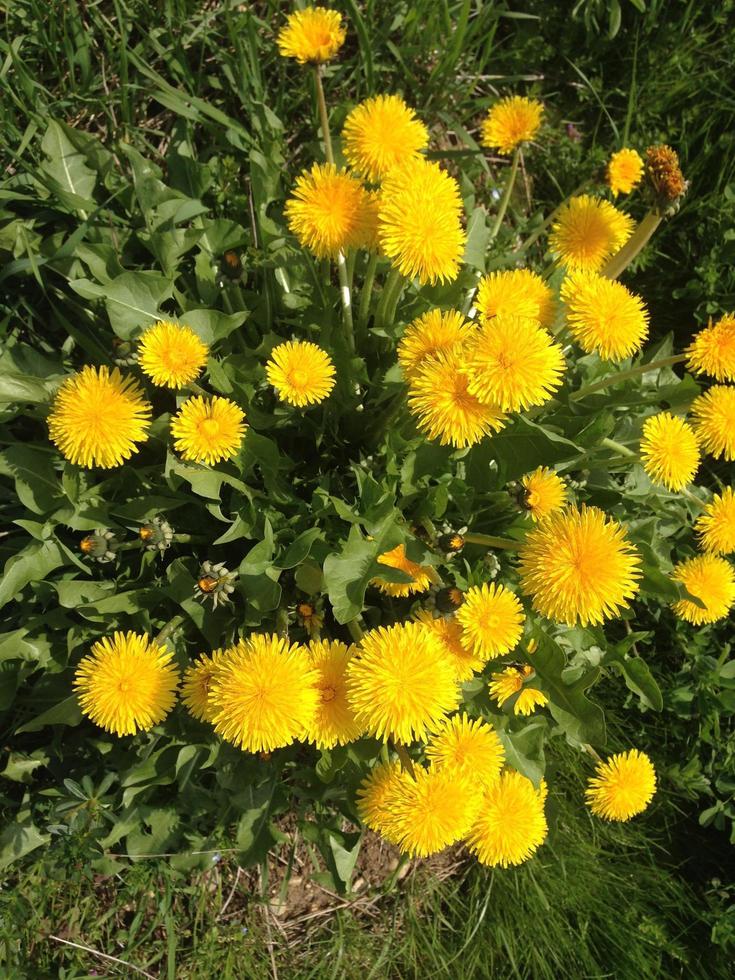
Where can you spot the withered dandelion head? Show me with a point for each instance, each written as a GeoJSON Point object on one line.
{"type": "Point", "coordinates": [98, 416]}
{"type": "Point", "coordinates": [624, 171]}
{"type": "Point", "coordinates": [207, 430]}
{"type": "Point", "coordinates": [400, 684]}
{"type": "Point", "coordinates": [127, 683]}
{"type": "Point", "coordinates": [171, 354]}
{"type": "Point", "coordinates": [710, 579]}
{"type": "Point", "coordinates": [382, 133]}
{"type": "Point", "coordinates": [511, 824]}
{"type": "Point", "coordinates": [492, 620]}
{"type": "Point", "coordinates": [302, 373]}
{"type": "Point", "coordinates": [510, 122]}
{"type": "Point", "coordinates": [587, 231]}
{"type": "Point", "coordinates": [579, 566]}
{"type": "Point", "coordinates": [420, 222]}
{"type": "Point", "coordinates": [311, 36]}
{"type": "Point", "coordinates": [669, 450]}
{"type": "Point", "coordinates": [603, 316]}
{"type": "Point", "coordinates": [663, 172]}
{"type": "Point", "coordinates": [621, 787]}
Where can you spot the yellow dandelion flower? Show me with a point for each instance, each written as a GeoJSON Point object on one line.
{"type": "Point", "coordinates": [423, 576]}
{"type": "Point", "coordinates": [266, 695]}
{"type": "Point", "coordinates": [492, 620]}
{"type": "Point", "coordinates": [334, 723]}
{"type": "Point", "coordinates": [514, 363]}
{"type": "Point", "coordinates": [206, 430]}
{"type": "Point", "coordinates": [710, 579]}
{"type": "Point", "coordinates": [311, 36]}
{"type": "Point", "coordinates": [544, 492]}
{"type": "Point", "coordinates": [382, 133]}
{"type": "Point", "coordinates": [621, 787]}
{"type": "Point", "coordinates": [432, 810]}
{"type": "Point", "coordinates": [127, 683]}
{"type": "Point", "coordinates": [469, 747]}
{"type": "Point", "coordinates": [171, 354]}
{"type": "Point", "coordinates": [302, 373]}
{"type": "Point", "coordinates": [713, 349]}
{"type": "Point", "coordinates": [716, 526]}
{"type": "Point", "coordinates": [438, 396]}
{"type": "Point", "coordinates": [98, 416]}
{"type": "Point", "coordinates": [509, 682]}
{"type": "Point", "coordinates": [449, 633]}
{"type": "Point", "coordinates": [511, 824]}
{"type": "Point", "coordinates": [669, 450]}
{"type": "Point", "coordinates": [603, 316]}
{"type": "Point", "coordinates": [624, 171]}
{"type": "Point", "coordinates": [579, 567]}
{"type": "Point", "coordinates": [714, 420]}
{"type": "Point", "coordinates": [401, 684]}
{"type": "Point", "coordinates": [376, 796]}
{"type": "Point", "coordinates": [587, 231]}
{"type": "Point", "coordinates": [327, 211]}
{"type": "Point", "coordinates": [429, 334]}
{"type": "Point", "coordinates": [420, 229]}
{"type": "Point", "coordinates": [198, 681]}
{"type": "Point", "coordinates": [368, 223]}
{"type": "Point", "coordinates": [516, 292]}
{"type": "Point", "coordinates": [511, 121]}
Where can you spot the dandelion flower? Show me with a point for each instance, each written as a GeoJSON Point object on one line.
{"type": "Point", "coordinates": [544, 492]}
{"type": "Point", "coordinates": [367, 234]}
{"type": "Point", "coordinates": [515, 292]}
{"type": "Point", "coordinates": [469, 747]}
{"type": "Point", "coordinates": [326, 210]}
{"type": "Point", "coordinates": [432, 810]}
{"type": "Point", "coordinates": [669, 450]}
{"type": "Point", "coordinates": [423, 576]}
{"type": "Point", "coordinates": [624, 171]}
{"type": "Point", "coordinates": [438, 396]}
{"type": "Point", "coordinates": [449, 633]}
{"type": "Point", "coordinates": [492, 620]}
{"type": "Point", "coordinates": [380, 134]}
{"type": "Point", "coordinates": [376, 796]}
{"type": "Point", "coordinates": [206, 430]}
{"type": "Point", "coordinates": [334, 723]}
{"type": "Point", "coordinates": [420, 229]}
{"type": "Point", "coordinates": [714, 420]}
{"type": "Point", "coordinates": [603, 316]}
{"type": "Point", "coordinates": [710, 579]}
{"type": "Point", "coordinates": [587, 231]}
{"type": "Point", "coordinates": [311, 36]}
{"type": "Point", "coordinates": [716, 526]}
{"type": "Point", "coordinates": [713, 349]}
{"type": "Point", "coordinates": [197, 682]}
{"type": "Point", "coordinates": [98, 416]}
{"type": "Point", "coordinates": [621, 787]}
{"type": "Point", "coordinates": [579, 567]}
{"type": "Point", "coordinates": [513, 363]}
{"type": "Point", "coordinates": [171, 355]}
{"type": "Point", "coordinates": [511, 121]}
{"type": "Point", "coordinates": [266, 695]}
{"type": "Point", "coordinates": [509, 682]}
{"type": "Point", "coordinates": [126, 684]}
{"type": "Point", "coordinates": [301, 373]}
{"type": "Point", "coordinates": [401, 684]}
{"type": "Point", "coordinates": [511, 824]}
{"type": "Point", "coordinates": [429, 334]}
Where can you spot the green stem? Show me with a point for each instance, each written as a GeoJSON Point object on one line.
{"type": "Point", "coordinates": [389, 300]}
{"type": "Point", "coordinates": [406, 763]}
{"type": "Point", "coordinates": [505, 199]}
{"type": "Point", "coordinates": [633, 372]}
{"type": "Point", "coordinates": [355, 630]}
{"type": "Point", "coordinates": [198, 390]}
{"type": "Point", "coordinates": [351, 259]}
{"type": "Point", "coordinates": [619, 448]}
{"type": "Point", "coordinates": [323, 117]}
{"type": "Point", "coordinates": [490, 541]}
{"type": "Point", "coordinates": [166, 631]}
{"type": "Point", "coordinates": [638, 240]}
{"type": "Point", "coordinates": [694, 499]}
{"type": "Point", "coordinates": [366, 293]}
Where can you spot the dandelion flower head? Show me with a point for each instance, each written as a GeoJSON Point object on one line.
{"type": "Point", "coordinates": [334, 723]}
{"type": "Point", "coordinates": [515, 292]}
{"type": "Point", "coordinates": [311, 36]}
{"type": "Point", "coordinates": [429, 334]}
{"type": "Point", "coordinates": [713, 350]}
{"type": "Point", "coordinates": [423, 576]}
{"type": "Point", "coordinates": [544, 492]}
{"type": "Point", "coordinates": [207, 430]}
{"type": "Point", "coordinates": [713, 418]}
{"type": "Point", "coordinates": [432, 810]}
{"type": "Point", "coordinates": [198, 681]}
{"type": "Point", "coordinates": [449, 633]}
{"type": "Point", "coordinates": [621, 787]}
{"type": "Point", "coordinates": [669, 450]}
{"type": "Point", "coordinates": [710, 579]}
{"type": "Point", "coordinates": [588, 231]}
{"type": "Point", "coordinates": [716, 525]}
{"type": "Point", "coordinates": [302, 373]}
{"type": "Point", "coordinates": [603, 316]}
{"type": "Point", "coordinates": [510, 122]}
{"type": "Point", "coordinates": [509, 682]}
{"type": "Point", "coordinates": [511, 824]}
{"type": "Point", "coordinates": [380, 134]}
{"type": "Point", "coordinates": [492, 620]}
{"type": "Point", "coordinates": [171, 354]}
{"type": "Point", "coordinates": [327, 211]}
{"type": "Point", "coordinates": [624, 171]}
{"type": "Point", "coordinates": [468, 746]}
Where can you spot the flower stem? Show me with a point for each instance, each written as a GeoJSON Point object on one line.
{"type": "Point", "coordinates": [389, 300]}
{"type": "Point", "coordinates": [166, 631]}
{"type": "Point", "coordinates": [323, 117]}
{"type": "Point", "coordinates": [406, 763]}
{"type": "Point", "coordinates": [505, 199]}
{"type": "Point", "coordinates": [638, 240]}
{"type": "Point", "coordinates": [366, 293]}
{"type": "Point", "coordinates": [490, 541]}
{"type": "Point", "coordinates": [633, 372]}
{"type": "Point", "coordinates": [619, 448]}
{"type": "Point", "coordinates": [355, 630]}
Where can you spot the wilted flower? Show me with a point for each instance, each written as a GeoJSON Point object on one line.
{"type": "Point", "coordinates": [100, 545]}
{"type": "Point", "coordinates": [215, 582]}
